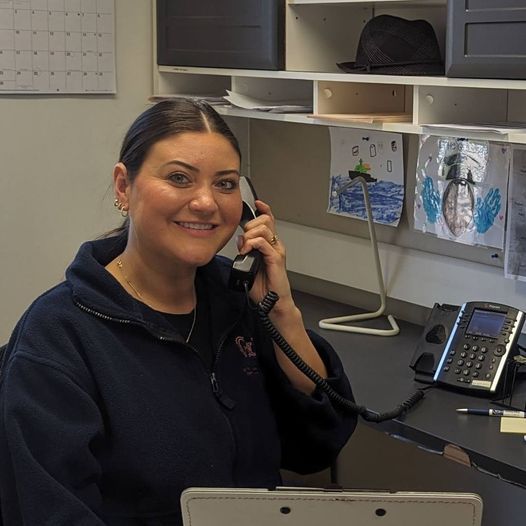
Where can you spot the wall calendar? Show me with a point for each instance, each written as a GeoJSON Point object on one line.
{"type": "Point", "coordinates": [57, 46]}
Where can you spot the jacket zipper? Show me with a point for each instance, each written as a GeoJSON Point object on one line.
{"type": "Point", "coordinates": [99, 314]}
{"type": "Point", "coordinates": [215, 384]}
{"type": "Point", "coordinates": [225, 400]}
{"type": "Point", "coordinates": [123, 321]}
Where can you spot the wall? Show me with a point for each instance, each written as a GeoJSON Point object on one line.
{"type": "Point", "coordinates": [290, 166]}
{"type": "Point", "coordinates": [57, 156]}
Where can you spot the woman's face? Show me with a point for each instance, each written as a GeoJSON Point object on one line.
{"type": "Point", "coordinates": [184, 204]}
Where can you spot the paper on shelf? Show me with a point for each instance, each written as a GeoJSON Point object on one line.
{"type": "Point", "coordinates": [251, 103]}
{"type": "Point", "coordinates": [213, 100]}
{"type": "Point", "coordinates": [367, 118]}
{"type": "Point", "coordinates": [502, 128]}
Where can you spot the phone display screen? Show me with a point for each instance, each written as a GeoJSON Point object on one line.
{"type": "Point", "coordinates": [485, 323]}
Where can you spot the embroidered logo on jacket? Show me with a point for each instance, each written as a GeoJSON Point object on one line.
{"type": "Point", "coordinates": [246, 348]}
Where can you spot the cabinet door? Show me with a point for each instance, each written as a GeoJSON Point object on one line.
{"type": "Point", "coordinates": [244, 34]}
{"type": "Point", "coordinates": [486, 39]}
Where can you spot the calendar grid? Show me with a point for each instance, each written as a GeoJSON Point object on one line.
{"type": "Point", "coordinates": [57, 46]}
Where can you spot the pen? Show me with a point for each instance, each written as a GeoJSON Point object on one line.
{"type": "Point", "coordinates": [493, 412]}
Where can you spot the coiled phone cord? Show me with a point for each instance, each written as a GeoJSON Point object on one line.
{"type": "Point", "coordinates": [264, 307]}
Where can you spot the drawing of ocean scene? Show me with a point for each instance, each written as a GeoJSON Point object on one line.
{"type": "Point", "coordinates": [387, 200]}
{"type": "Point", "coordinates": [375, 156]}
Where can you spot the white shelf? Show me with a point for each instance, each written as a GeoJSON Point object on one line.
{"type": "Point", "coordinates": [395, 127]}
{"type": "Point", "coordinates": [351, 77]}
{"type": "Point", "coordinates": [302, 118]}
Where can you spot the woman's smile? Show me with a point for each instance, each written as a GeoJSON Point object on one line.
{"type": "Point", "coordinates": [196, 229]}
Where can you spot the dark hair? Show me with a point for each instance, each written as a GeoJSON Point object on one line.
{"type": "Point", "coordinates": [164, 119]}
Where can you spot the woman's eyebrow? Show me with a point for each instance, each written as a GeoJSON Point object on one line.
{"type": "Point", "coordinates": [195, 169]}
{"type": "Point", "coordinates": [228, 172]}
{"type": "Point", "coordinates": [182, 163]}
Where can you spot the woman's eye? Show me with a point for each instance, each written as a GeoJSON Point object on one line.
{"type": "Point", "coordinates": [228, 184]}
{"type": "Point", "coordinates": [179, 178]}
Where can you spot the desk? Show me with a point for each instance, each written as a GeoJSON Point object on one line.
{"type": "Point", "coordinates": [378, 368]}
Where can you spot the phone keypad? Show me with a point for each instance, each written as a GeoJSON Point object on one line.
{"type": "Point", "coordinates": [473, 362]}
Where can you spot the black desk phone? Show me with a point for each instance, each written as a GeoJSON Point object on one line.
{"type": "Point", "coordinates": [470, 347]}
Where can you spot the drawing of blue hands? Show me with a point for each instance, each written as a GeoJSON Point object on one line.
{"type": "Point", "coordinates": [430, 200]}
{"type": "Point", "coordinates": [486, 210]}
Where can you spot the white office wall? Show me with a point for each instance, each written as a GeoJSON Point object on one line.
{"type": "Point", "coordinates": [56, 156]}
{"type": "Point", "coordinates": [410, 275]}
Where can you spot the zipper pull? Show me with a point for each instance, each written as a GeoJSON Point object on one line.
{"type": "Point", "coordinates": [223, 399]}
{"type": "Point", "coordinates": [215, 384]}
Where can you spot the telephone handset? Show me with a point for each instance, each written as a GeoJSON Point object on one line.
{"type": "Point", "coordinates": [245, 267]}
{"type": "Point", "coordinates": [470, 348]}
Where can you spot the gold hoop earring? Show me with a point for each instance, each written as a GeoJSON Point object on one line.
{"type": "Point", "coordinates": [121, 207]}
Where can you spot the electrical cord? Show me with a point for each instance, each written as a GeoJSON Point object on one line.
{"type": "Point", "coordinates": [263, 309]}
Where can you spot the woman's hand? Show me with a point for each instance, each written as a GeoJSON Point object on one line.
{"type": "Point", "coordinates": [260, 234]}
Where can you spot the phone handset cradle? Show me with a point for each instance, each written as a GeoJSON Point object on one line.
{"type": "Point", "coordinates": [334, 323]}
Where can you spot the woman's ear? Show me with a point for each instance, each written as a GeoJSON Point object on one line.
{"type": "Point", "coordinates": [121, 184]}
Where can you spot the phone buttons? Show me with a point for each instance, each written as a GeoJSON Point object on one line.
{"type": "Point", "coordinates": [499, 350]}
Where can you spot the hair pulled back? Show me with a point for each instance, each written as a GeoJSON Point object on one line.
{"type": "Point", "coordinates": [167, 118]}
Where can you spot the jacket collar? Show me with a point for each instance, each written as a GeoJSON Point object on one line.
{"type": "Point", "coordinates": [95, 289]}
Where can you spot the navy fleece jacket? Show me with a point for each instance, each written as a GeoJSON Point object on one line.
{"type": "Point", "coordinates": [107, 414]}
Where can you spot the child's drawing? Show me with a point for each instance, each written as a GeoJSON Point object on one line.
{"type": "Point", "coordinates": [461, 190]}
{"type": "Point", "coordinates": [375, 156]}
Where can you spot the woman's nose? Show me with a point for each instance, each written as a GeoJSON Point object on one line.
{"type": "Point", "coordinates": [203, 200]}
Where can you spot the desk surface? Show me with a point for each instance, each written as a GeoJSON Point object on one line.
{"type": "Point", "coordinates": [378, 368]}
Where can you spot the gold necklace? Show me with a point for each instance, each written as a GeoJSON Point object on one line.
{"type": "Point", "coordinates": [139, 296]}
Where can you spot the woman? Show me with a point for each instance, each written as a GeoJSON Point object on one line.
{"type": "Point", "coordinates": [143, 374]}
